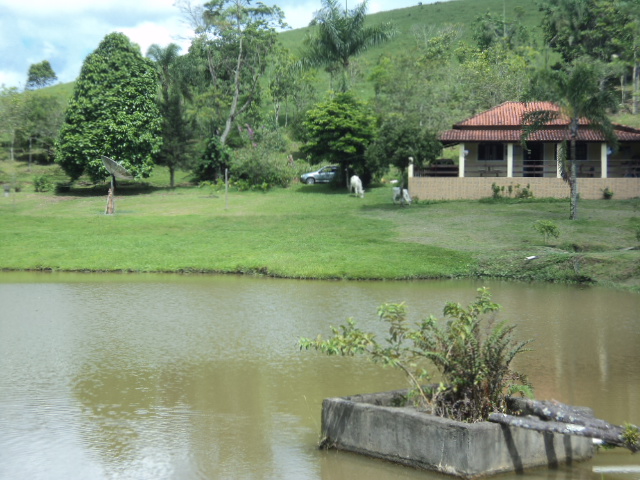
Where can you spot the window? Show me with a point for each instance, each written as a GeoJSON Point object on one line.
{"type": "Point", "coordinates": [491, 151]}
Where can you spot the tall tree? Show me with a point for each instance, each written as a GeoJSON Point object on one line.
{"type": "Point", "coordinates": [487, 78]}
{"type": "Point", "coordinates": [578, 92]}
{"type": "Point", "coordinates": [41, 122]}
{"type": "Point", "coordinates": [339, 130]}
{"type": "Point", "coordinates": [113, 112]}
{"type": "Point", "coordinates": [419, 83]}
{"type": "Point", "coordinates": [40, 75]}
{"type": "Point", "coordinates": [400, 137]}
{"type": "Point", "coordinates": [234, 40]}
{"type": "Point", "coordinates": [289, 88]}
{"type": "Point", "coordinates": [171, 103]}
{"type": "Point", "coordinates": [490, 29]}
{"type": "Point", "coordinates": [11, 114]}
{"type": "Point", "coordinates": [338, 35]}
{"type": "Point", "coordinates": [632, 9]}
{"type": "Point", "coordinates": [594, 28]}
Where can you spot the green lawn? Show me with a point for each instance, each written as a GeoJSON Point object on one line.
{"type": "Point", "coordinates": [313, 232]}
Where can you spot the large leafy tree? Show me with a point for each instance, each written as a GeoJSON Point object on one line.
{"type": "Point", "coordinates": [490, 30]}
{"type": "Point", "coordinates": [339, 130]}
{"type": "Point", "coordinates": [579, 93]}
{"type": "Point", "coordinates": [596, 28]}
{"type": "Point", "coordinates": [487, 78]}
{"type": "Point", "coordinates": [40, 75]}
{"type": "Point", "coordinates": [172, 93]}
{"type": "Point", "coordinates": [41, 122]}
{"type": "Point", "coordinates": [420, 82]}
{"type": "Point", "coordinates": [632, 9]}
{"type": "Point", "coordinates": [291, 90]}
{"type": "Point", "coordinates": [340, 34]}
{"type": "Point", "coordinates": [11, 115]}
{"type": "Point", "coordinates": [113, 112]}
{"type": "Point", "coordinates": [401, 137]}
{"type": "Point", "coordinates": [230, 54]}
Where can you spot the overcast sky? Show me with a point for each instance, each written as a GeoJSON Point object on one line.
{"type": "Point", "coordinates": [64, 32]}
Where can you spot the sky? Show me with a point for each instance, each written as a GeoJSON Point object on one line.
{"type": "Point", "coordinates": [64, 32]}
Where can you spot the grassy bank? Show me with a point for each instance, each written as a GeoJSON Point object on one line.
{"type": "Point", "coordinates": [315, 232]}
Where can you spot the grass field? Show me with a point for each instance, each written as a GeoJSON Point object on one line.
{"type": "Point", "coordinates": [312, 232]}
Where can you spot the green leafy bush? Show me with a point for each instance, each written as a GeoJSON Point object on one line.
{"type": "Point", "coordinates": [547, 229]}
{"type": "Point", "coordinates": [41, 183]}
{"type": "Point", "coordinates": [213, 162]}
{"type": "Point", "coordinates": [262, 168]}
{"type": "Point", "coordinates": [473, 360]}
{"type": "Point", "coordinates": [515, 191]}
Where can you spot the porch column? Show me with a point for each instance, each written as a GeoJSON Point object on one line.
{"type": "Point", "coordinates": [559, 152]}
{"type": "Point", "coordinates": [510, 160]}
{"type": "Point", "coordinates": [604, 161]}
{"type": "Point", "coordinates": [461, 161]}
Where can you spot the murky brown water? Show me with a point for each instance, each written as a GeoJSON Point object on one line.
{"type": "Point", "coordinates": [194, 377]}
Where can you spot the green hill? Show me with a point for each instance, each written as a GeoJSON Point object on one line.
{"type": "Point", "coordinates": [463, 14]}
{"type": "Point", "coordinates": [408, 21]}
{"type": "Point", "coordinates": [427, 18]}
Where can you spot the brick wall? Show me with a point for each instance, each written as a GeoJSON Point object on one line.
{"type": "Point", "coordinates": [434, 188]}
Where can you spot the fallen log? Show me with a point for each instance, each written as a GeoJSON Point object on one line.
{"type": "Point", "coordinates": [559, 412]}
{"type": "Point", "coordinates": [611, 436]}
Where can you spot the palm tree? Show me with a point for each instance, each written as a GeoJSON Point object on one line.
{"type": "Point", "coordinates": [339, 35]}
{"type": "Point", "coordinates": [171, 94]}
{"type": "Point", "coordinates": [580, 93]}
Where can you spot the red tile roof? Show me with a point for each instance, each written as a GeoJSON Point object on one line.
{"type": "Point", "coordinates": [504, 124]}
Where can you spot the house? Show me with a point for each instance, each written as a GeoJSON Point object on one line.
{"type": "Point", "coordinates": [491, 152]}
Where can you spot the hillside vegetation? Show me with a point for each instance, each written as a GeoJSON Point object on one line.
{"type": "Point", "coordinates": [410, 21]}
{"type": "Point", "coordinates": [413, 23]}
{"type": "Point", "coordinates": [416, 21]}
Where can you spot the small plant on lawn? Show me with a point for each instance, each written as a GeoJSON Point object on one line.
{"type": "Point", "coordinates": [607, 193]}
{"type": "Point", "coordinates": [473, 359]}
{"type": "Point", "coordinates": [41, 183]}
{"type": "Point", "coordinates": [547, 229]}
{"type": "Point", "coordinates": [524, 192]}
{"type": "Point", "coordinates": [516, 190]}
{"type": "Point", "coordinates": [497, 190]}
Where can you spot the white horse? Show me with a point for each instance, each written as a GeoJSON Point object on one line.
{"type": "Point", "coordinates": [356, 186]}
{"type": "Point", "coordinates": [401, 195]}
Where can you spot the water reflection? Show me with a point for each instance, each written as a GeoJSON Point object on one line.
{"type": "Point", "coordinates": [109, 376]}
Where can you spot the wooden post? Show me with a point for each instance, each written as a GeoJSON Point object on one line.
{"type": "Point", "coordinates": [110, 202]}
{"type": "Point", "coordinates": [226, 188]}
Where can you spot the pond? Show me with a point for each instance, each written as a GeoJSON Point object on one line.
{"type": "Point", "coordinates": [106, 376]}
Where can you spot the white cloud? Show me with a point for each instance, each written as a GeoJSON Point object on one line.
{"type": "Point", "coordinates": [146, 34]}
{"type": "Point", "coordinates": [38, 8]}
{"type": "Point", "coordinates": [12, 79]}
{"type": "Point", "coordinates": [299, 15]}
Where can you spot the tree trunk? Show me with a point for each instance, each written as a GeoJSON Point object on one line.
{"type": "Point", "coordinates": [13, 139]}
{"type": "Point", "coordinates": [573, 176]}
{"type": "Point", "coordinates": [236, 95]}
{"type": "Point", "coordinates": [172, 176]}
{"type": "Point", "coordinates": [636, 86]}
{"type": "Point", "coordinates": [29, 169]}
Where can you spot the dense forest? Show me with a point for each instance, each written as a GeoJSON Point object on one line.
{"type": "Point", "coordinates": [362, 91]}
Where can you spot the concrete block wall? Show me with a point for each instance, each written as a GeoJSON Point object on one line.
{"type": "Point", "coordinates": [475, 188]}
{"type": "Point", "coordinates": [369, 425]}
